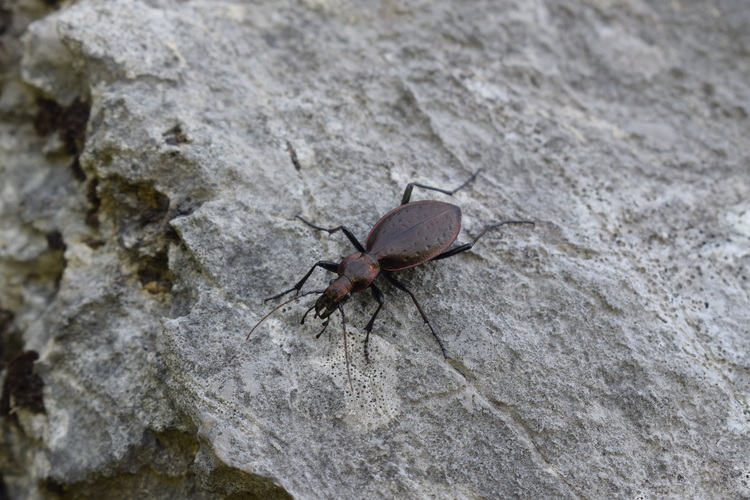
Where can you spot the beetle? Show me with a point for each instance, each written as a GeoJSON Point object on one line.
{"type": "Point", "coordinates": [409, 235]}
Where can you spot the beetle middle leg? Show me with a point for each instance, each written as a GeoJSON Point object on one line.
{"type": "Point", "coordinates": [325, 264]}
{"type": "Point", "coordinates": [346, 348]}
{"type": "Point", "coordinates": [462, 248]}
{"type": "Point", "coordinates": [378, 295]}
{"type": "Point", "coordinates": [409, 187]}
{"type": "Point", "coordinates": [405, 288]}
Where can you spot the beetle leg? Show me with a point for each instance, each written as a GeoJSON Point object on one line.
{"type": "Point", "coordinates": [462, 248]}
{"type": "Point", "coordinates": [343, 229]}
{"type": "Point", "coordinates": [302, 321]}
{"type": "Point", "coordinates": [378, 295]}
{"type": "Point", "coordinates": [407, 193]}
{"type": "Point", "coordinates": [346, 349]}
{"type": "Point", "coordinates": [325, 325]}
{"type": "Point", "coordinates": [406, 289]}
{"type": "Point", "coordinates": [325, 264]}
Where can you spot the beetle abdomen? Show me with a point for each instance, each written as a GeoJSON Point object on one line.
{"type": "Point", "coordinates": [413, 233]}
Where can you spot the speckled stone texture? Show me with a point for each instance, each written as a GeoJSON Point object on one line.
{"type": "Point", "coordinates": [154, 153]}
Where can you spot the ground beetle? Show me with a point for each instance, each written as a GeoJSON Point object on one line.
{"type": "Point", "coordinates": [407, 236]}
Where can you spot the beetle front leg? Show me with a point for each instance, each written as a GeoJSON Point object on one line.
{"type": "Point", "coordinates": [409, 187]}
{"type": "Point", "coordinates": [405, 288]}
{"type": "Point", "coordinates": [378, 295]}
{"type": "Point", "coordinates": [325, 264]}
{"type": "Point", "coordinates": [332, 230]}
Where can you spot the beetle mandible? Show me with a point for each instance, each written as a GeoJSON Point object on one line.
{"type": "Point", "coordinates": [407, 236]}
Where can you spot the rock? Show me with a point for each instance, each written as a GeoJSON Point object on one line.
{"type": "Point", "coordinates": [154, 155]}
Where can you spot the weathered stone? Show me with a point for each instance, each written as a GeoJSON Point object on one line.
{"type": "Point", "coordinates": [153, 155]}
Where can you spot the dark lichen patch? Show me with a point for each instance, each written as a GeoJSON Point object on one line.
{"type": "Point", "coordinates": [140, 213]}
{"type": "Point", "coordinates": [3, 489]}
{"type": "Point", "coordinates": [72, 126]}
{"type": "Point", "coordinates": [6, 319]}
{"type": "Point", "coordinates": [154, 274]}
{"type": "Point", "coordinates": [91, 193]}
{"type": "Point", "coordinates": [157, 467]}
{"type": "Point", "coordinates": [95, 202]}
{"type": "Point", "coordinates": [6, 21]}
{"type": "Point", "coordinates": [55, 241]}
{"type": "Point", "coordinates": [128, 203]}
{"type": "Point", "coordinates": [9, 341]}
{"type": "Point", "coordinates": [158, 287]}
{"type": "Point", "coordinates": [54, 261]}
{"type": "Point", "coordinates": [239, 484]}
{"type": "Point", "coordinates": [22, 387]}
{"type": "Point", "coordinates": [70, 122]}
{"type": "Point", "coordinates": [51, 486]}
{"type": "Point", "coordinates": [78, 173]}
{"type": "Point", "coordinates": [47, 116]}
{"type": "Point", "coordinates": [154, 206]}
{"type": "Point", "coordinates": [94, 243]}
{"type": "Point", "coordinates": [176, 137]}
{"type": "Point", "coordinates": [172, 234]}
{"type": "Point", "coordinates": [168, 453]}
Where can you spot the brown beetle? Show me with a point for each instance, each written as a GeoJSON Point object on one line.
{"type": "Point", "coordinates": [407, 236]}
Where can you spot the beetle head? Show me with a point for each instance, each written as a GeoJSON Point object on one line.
{"type": "Point", "coordinates": [337, 293]}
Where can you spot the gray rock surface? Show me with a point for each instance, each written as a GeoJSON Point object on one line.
{"type": "Point", "coordinates": [147, 202]}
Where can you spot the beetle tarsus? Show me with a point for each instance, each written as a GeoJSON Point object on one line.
{"type": "Point", "coordinates": [377, 295]}
{"type": "Point", "coordinates": [325, 264]}
{"type": "Point", "coordinates": [367, 348]}
{"type": "Point", "coordinates": [304, 316]}
{"type": "Point", "coordinates": [466, 246]}
{"type": "Point", "coordinates": [346, 349]}
{"type": "Point", "coordinates": [405, 288]}
{"type": "Point", "coordinates": [409, 187]}
{"type": "Point", "coordinates": [348, 232]}
{"type": "Point", "coordinates": [325, 325]}
{"type": "Point", "coordinates": [282, 294]}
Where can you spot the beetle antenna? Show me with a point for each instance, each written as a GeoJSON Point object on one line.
{"type": "Point", "coordinates": [279, 307]}
{"type": "Point", "coordinates": [346, 349]}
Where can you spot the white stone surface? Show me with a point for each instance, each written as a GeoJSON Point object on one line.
{"type": "Point", "coordinates": [603, 353]}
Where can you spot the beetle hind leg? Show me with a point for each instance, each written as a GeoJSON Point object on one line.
{"type": "Point", "coordinates": [466, 246]}
{"type": "Point", "coordinates": [409, 187]}
{"type": "Point", "coordinates": [405, 288]}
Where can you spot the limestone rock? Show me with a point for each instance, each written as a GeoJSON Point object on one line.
{"type": "Point", "coordinates": [153, 157]}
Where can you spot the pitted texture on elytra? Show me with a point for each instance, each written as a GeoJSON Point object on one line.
{"type": "Point", "coordinates": [413, 233]}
